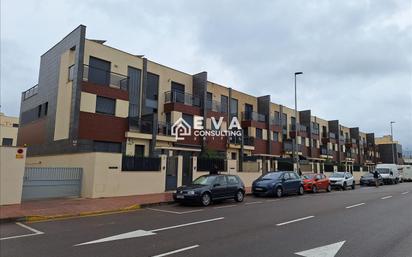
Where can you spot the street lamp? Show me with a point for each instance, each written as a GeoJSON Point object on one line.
{"type": "Point", "coordinates": [295, 152]}
{"type": "Point", "coordinates": [392, 143]}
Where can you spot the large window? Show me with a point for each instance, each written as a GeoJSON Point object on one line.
{"type": "Point", "coordinates": [188, 118]}
{"type": "Point", "coordinates": [284, 120]}
{"type": "Point", "coordinates": [233, 107]}
{"type": "Point", "coordinates": [99, 71]}
{"type": "Point", "coordinates": [7, 141]}
{"type": "Point", "coordinates": [275, 136]}
{"type": "Point", "coordinates": [224, 103]}
{"type": "Point", "coordinates": [259, 133]}
{"type": "Point", "coordinates": [178, 92]}
{"type": "Point", "coordinates": [105, 105]}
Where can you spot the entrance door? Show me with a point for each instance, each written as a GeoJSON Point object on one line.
{"type": "Point", "coordinates": [171, 173]}
{"type": "Point", "coordinates": [187, 175]}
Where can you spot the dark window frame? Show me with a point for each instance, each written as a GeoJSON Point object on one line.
{"type": "Point", "coordinates": [99, 111]}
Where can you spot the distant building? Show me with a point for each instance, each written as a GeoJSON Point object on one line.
{"type": "Point", "coordinates": [390, 151]}
{"type": "Point", "coordinates": [8, 130]}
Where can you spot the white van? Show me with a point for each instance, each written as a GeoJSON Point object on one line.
{"type": "Point", "coordinates": [407, 172]}
{"type": "Point", "coordinates": [389, 172]}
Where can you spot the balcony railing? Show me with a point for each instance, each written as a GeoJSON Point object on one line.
{"type": "Point", "coordinates": [274, 120]}
{"type": "Point", "coordinates": [289, 147]}
{"type": "Point", "coordinates": [146, 126]}
{"type": "Point", "coordinates": [329, 135]}
{"type": "Point", "coordinates": [181, 97]}
{"type": "Point", "coordinates": [216, 106]}
{"type": "Point", "coordinates": [350, 140]}
{"type": "Point", "coordinates": [30, 92]}
{"type": "Point", "coordinates": [325, 151]}
{"type": "Point", "coordinates": [315, 131]}
{"type": "Point", "coordinates": [301, 128]}
{"type": "Point", "coordinates": [253, 116]}
{"type": "Point", "coordinates": [250, 141]}
{"type": "Point", "coordinates": [103, 77]}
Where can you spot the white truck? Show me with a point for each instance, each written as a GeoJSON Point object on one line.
{"type": "Point", "coordinates": [407, 172]}
{"type": "Point", "coordinates": [389, 172]}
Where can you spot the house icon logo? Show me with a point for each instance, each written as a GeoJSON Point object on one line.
{"type": "Point", "coordinates": [181, 128]}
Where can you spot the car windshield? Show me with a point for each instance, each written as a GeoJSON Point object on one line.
{"type": "Point", "coordinates": [308, 176]}
{"type": "Point", "coordinates": [337, 175]}
{"type": "Point", "coordinates": [204, 180]}
{"type": "Point", "coordinates": [383, 171]}
{"type": "Point", "coordinates": [271, 175]}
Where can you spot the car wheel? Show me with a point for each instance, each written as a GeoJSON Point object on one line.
{"type": "Point", "coordinates": [314, 189]}
{"type": "Point", "coordinates": [301, 191]}
{"type": "Point", "coordinates": [239, 196]}
{"type": "Point", "coordinates": [344, 186]}
{"type": "Point", "coordinates": [206, 199]}
{"type": "Point", "coordinates": [278, 192]}
{"type": "Point", "coordinates": [329, 188]}
{"type": "Point", "coordinates": [353, 185]}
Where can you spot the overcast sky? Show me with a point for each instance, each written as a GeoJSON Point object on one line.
{"type": "Point", "coordinates": [356, 55]}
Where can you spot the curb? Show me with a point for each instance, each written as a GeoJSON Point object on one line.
{"type": "Point", "coordinates": [37, 218]}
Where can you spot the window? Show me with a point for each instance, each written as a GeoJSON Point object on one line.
{"type": "Point", "coordinates": [139, 150]}
{"type": "Point", "coordinates": [103, 146]}
{"type": "Point", "coordinates": [284, 120]}
{"type": "Point", "coordinates": [105, 105]}
{"type": "Point", "coordinates": [259, 133]}
{"type": "Point", "coordinates": [286, 176]}
{"type": "Point", "coordinates": [178, 92]}
{"type": "Point", "coordinates": [293, 122]}
{"type": "Point", "coordinates": [275, 136]}
{"type": "Point", "coordinates": [233, 156]}
{"type": "Point", "coordinates": [209, 99]}
{"type": "Point", "coordinates": [7, 141]}
{"type": "Point", "coordinates": [233, 106]}
{"type": "Point", "coordinates": [46, 108]}
{"type": "Point", "coordinates": [188, 118]}
{"type": "Point", "coordinates": [232, 180]}
{"type": "Point", "coordinates": [15, 125]}
{"type": "Point", "coordinates": [221, 180]}
{"type": "Point", "coordinates": [223, 103]}
{"type": "Point", "coordinates": [99, 71]}
{"type": "Point", "coordinates": [39, 111]}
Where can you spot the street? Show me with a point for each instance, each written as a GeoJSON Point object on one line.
{"type": "Point", "coordinates": [365, 222]}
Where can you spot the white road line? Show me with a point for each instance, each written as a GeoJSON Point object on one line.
{"type": "Point", "coordinates": [253, 202]}
{"type": "Point", "coordinates": [176, 251]}
{"type": "Point", "coordinates": [186, 224]}
{"type": "Point", "coordinates": [355, 205]}
{"type": "Point", "coordinates": [296, 220]}
{"type": "Point", "coordinates": [225, 206]}
{"type": "Point", "coordinates": [35, 232]}
{"type": "Point", "coordinates": [386, 197]}
{"type": "Point", "coordinates": [173, 212]}
{"type": "Point", "coordinates": [404, 193]}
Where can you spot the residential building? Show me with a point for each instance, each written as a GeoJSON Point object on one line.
{"type": "Point", "coordinates": [8, 130]}
{"type": "Point", "coordinates": [390, 151]}
{"type": "Point", "coordinates": [91, 97]}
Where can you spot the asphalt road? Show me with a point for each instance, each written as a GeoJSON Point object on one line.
{"type": "Point", "coordinates": [365, 222]}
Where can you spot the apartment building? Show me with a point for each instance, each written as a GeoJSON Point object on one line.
{"type": "Point", "coordinates": [390, 150]}
{"type": "Point", "coordinates": [8, 130]}
{"type": "Point", "coordinates": [91, 97]}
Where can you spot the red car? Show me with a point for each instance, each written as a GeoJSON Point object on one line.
{"type": "Point", "coordinates": [315, 182]}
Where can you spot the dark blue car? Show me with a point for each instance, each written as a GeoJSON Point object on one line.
{"type": "Point", "coordinates": [278, 183]}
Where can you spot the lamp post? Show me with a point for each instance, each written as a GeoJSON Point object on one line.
{"type": "Point", "coordinates": [295, 152]}
{"type": "Point", "coordinates": [392, 143]}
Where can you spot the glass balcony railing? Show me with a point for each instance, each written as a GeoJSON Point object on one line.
{"type": "Point", "coordinates": [274, 120]}
{"type": "Point", "coordinates": [250, 141]}
{"type": "Point", "coordinates": [181, 97]}
{"type": "Point", "coordinates": [30, 92]}
{"type": "Point", "coordinates": [289, 147]}
{"type": "Point", "coordinates": [253, 116]}
{"type": "Point", "coordinates": [102, 77]}
{"type": "Point", "coordinates": [215, 106]}
{"type": "Point", "coordinates": [301, 128]}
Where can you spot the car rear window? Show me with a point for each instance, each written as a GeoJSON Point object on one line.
{"type": "Point", "coordinates": [272, 175]}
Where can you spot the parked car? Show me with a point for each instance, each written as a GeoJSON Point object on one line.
{"type": "Point", "coordinates": [389, 172]}
{"type": "Point", "coordinates": [369, 180]}
{"type": "Point", "coordinates": [407, 172]}
{"type": "Point", "coordinates": [315, 182]}
{"type": "Point", "coordinates": [278, 183]}
{"type": "Point", "coordinates": [342, 180]}
{"type": "Point", "coordinates": [208, 188]}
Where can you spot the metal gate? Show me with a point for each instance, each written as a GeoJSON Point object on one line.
{"type": "Point", "coordinates": [41, 183]}
{"type": "Point", "coordinates": [171, 173]}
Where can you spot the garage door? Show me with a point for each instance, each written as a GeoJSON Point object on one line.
{"type": "Point", "coordinates": [41, 183]}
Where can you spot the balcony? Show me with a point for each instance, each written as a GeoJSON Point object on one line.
{"type": "Point", "coordinates": [216, 106]}
{"type": "Point", "coordinates": [351, 142]}
{"type": "Point", "coordinates": [249, 141]}
{"type": "Point", "coordinates": [181, 97]}
{"type": "Point", "coordinates": [274, 121]}
{"type": "Point", "coordinates": [253, 116]}
{"type": "Point", "coordinates": [326, 152]}
{"type": "Point", "coordinates": [288, 146]}
{"type": "Point", "coordinates": [102, 77]}
{"type": "Point", "coordinates": [315, 131]}
{"type": "Point", "coordinates": [146, 126]}
{"type": "Point", "coordinates": [301, 128]}
{"type": "Point", "coordinates": [30, 92]}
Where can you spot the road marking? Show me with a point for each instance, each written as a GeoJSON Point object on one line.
{"type": "Point", "coordinates": [355, 205]}
{"type": "Point", "coordinates": [176, 251]}
{"type": "Point", "coordinates": [225, 206]}
{"type": "Point", "coordinates": [35, 232]}
{"type": "Point", "coordinates": [141, 233]}
{"type": "Point", "coordinates": [257, 202]}
{"type": "Point", "coordinates": [404, 193]}
{"type": "Point", "coordinates": [187, 224]}
{"type": "Point", "coordinates": [173, 212]}
{"type": "Point", "coordinates": [296, 220]}
{"type": "Point", "coordinates": [386, 197]}
{"type": "Point", "coordinates": [323, 251]}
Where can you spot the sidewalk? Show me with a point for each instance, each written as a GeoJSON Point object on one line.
{"type": "Point", "coordinates": [62, 208]}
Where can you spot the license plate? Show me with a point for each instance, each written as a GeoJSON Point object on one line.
{"type": "Point", "coordinates": [180, 196]}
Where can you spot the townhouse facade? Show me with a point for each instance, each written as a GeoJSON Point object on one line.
{"type": "Point", "coordinates": [91, 97]}
{"type": "Point", "coordinates": [8, 130]}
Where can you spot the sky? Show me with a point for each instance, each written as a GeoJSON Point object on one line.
{"type": "Point", "coordinates": [356, 55]}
